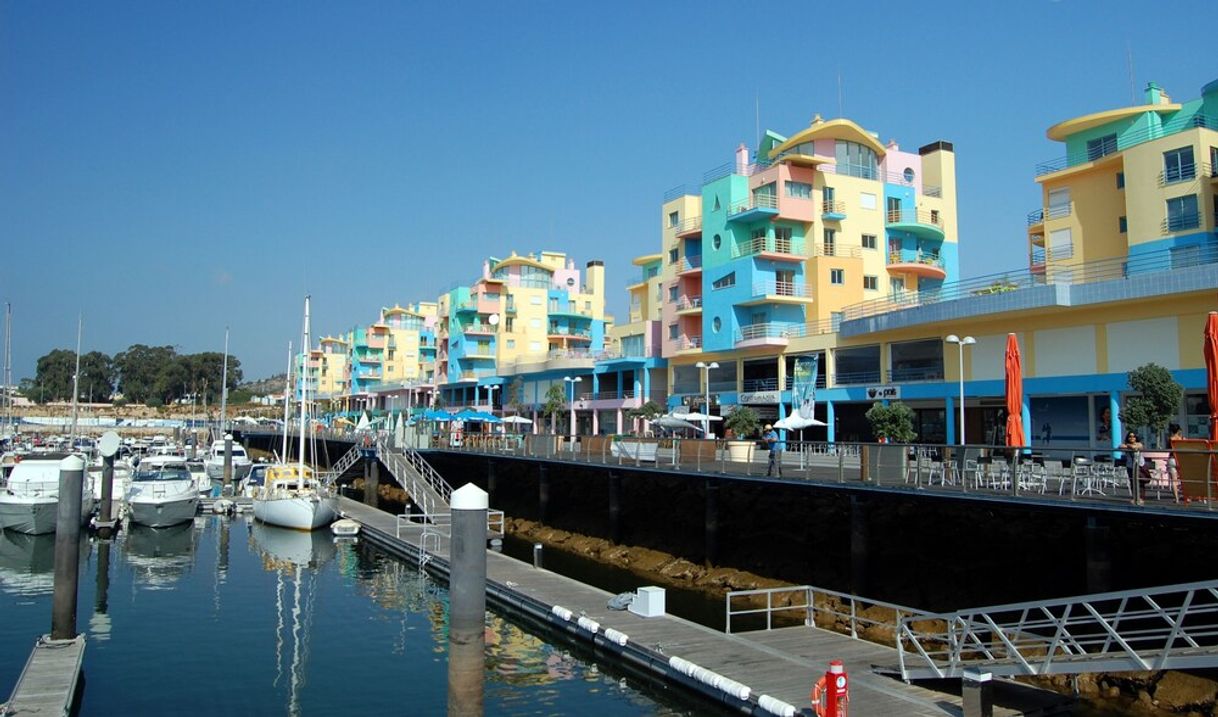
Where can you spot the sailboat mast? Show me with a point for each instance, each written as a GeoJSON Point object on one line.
{"type": "Point", "coordinates": [304, 387]}
{"type": "Point", "coordinates": [287, 397]}
{"type": "Point", "coordinates": [80, 322]}
{"type": "Point", "coordinates": [8, 364]}
{"type": "Point", "coordinates": [224, 387]}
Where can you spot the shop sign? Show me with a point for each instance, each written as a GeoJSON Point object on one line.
{"type": "Point", "coordinates": [883, 393]}
{"type": "Point", "coordinates": [759, 397]}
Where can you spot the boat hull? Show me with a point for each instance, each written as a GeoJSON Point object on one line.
{"type": "Point", "coordinates": [299, 513]}
{"type": "Point", "coordinates": [215, 471]}
{"type": "Point", "coordinates": [36, 516]}
{"type": "Point", "coordinates": [163, 513]}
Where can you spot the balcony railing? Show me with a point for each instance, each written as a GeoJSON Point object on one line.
{"type": "Point", "coordinates": [689, 226]}
{"type": "Point", "coordinates": [689, 302]}
{"type": "Point", "coordinates": [833, 206]}
{"type": "Point", "coordinates": [1125, 141]}
{"type": "Point", "coordinates": [685, 343]}
{"type": "Point", "coordinates": [898, 257]}
{"type": "Point", "coordinates": [689, 263]}
{"type": "Point", "coordinates": [916, 373]}
{"type": "Point", "coordinates": [930, 190]}
{"type": "Point", "coordinates": [1181, 222]}
{"type": "Point", "coordinates": [1036, 216]}
{"type": "Point", "coordinates": [915, 216]}
{"type": "Point", "coordinates": [853, 378]}
{"type": "Point", "coordinates": [770, 330]}
{"type": "Point", "coordinates": [757, 201]}
{"type": "Point", "coordinates": [1183, 173]}
{"type": "Point", "coordinates": [682, 190]}
{"type": "Point", "coordinates": [759, 245]}
{"type": "Point", "coordinates": [782, 288]}
{"type": "Point", "coordinates": [835, 249]}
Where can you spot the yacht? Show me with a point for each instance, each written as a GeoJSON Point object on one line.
{"type": "Point", "coordinates": [214, 463]}
{"type": "Point", "coordinates": [291, 496]}
{"type": "Point", "coordinates": [29, 502]}
{"type": "Point", "coordinates": [162, 493]}
{"type": "Point", "coordinates": [198, 471]}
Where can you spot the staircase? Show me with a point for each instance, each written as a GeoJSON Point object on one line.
{"type": "Point", "coordinates": [344, 464]}
{"type": "Point", "coordinates": [426, 487]}
{"type": "Point", "coordinates": [1171, 627]}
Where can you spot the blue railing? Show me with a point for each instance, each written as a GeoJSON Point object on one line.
{"type": "Point", "coordinates": [1125, 141]}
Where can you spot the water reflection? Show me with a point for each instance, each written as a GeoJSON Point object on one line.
{"type": "Point", "coordinates": [294, 556]}
{"type": "Point", "coordinates": [27, 562]}
{"type": "Point", "coordinates": [159, 557]}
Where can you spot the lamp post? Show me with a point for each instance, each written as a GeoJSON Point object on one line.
{"type": "Point", "coordinates": [960, 344]}
{"type": "Point", "coordinates": [571, 382]}
{"type": "Point", "coordinates": [706, 368]}
{"type": "Point", "coordinates": [490, 398]}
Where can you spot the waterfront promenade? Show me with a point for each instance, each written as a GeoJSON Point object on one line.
{"type": "Point", "coordinates": [781, 663]}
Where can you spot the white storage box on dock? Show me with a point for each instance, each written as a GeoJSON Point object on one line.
{"type": "Point", "coordinates": [648, 602]}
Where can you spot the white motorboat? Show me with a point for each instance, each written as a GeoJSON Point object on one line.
{"type": "Point", "coordinates": [214, 463]}
{"type": "Point", "coordinates": [199, 472]}
{"type": "Point", "coordinates": [162, 493]}
{"type": "Point", "coordinates": [122, 479]}
{"type": "Point", "coordinates": [254, 480]}
{"type": "Point", "coordinates": [30, 502]}
{"type": "Point", "coordinates": [292, 497]}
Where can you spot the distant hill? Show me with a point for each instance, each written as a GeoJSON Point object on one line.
{"type": "Point", "coordinates": [264, 386]}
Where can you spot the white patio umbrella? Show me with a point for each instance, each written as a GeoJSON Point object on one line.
{"type": "Point", "coordinates": [517, 419]}
{"type": "Point", "coordinates": [364, 423]}
{"type": "Point", "coordinates": [696, 417]}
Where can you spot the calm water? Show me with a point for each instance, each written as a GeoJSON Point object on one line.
{"type": "Point", "coordinates": [228, 616]}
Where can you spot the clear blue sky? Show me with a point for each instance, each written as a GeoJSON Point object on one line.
{"type": "Point", "coordinates": [171, 168]}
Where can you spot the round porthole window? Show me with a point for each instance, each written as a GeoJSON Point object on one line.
{"type": "Point", "coordinates": [570, 281]}
{"type": "Point", "coordinates": [908, 174]}
{"type": "Point", "coordinates": [716, 242]}
{"type": "Point", "coordinates": [717, 324]}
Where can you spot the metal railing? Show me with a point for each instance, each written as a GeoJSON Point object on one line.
{"type": "Point", "coordinates": [762, 331]}
{"type": "Point", "coordinates": [689, 302]}
{"type": "Point", "coordinates": [1169, 627]}
{"type": "Point", "coordinates": [1180, 222]}
{"type": "Point", "coordinates": [757, 201]}
{"type": "Point", "coordinates": [858, 617]}
{"type": "Point", "coordinates": [832, 206]}
{"type": "Point", "coordinates": [758, 245]}
{"type": "Point", "coordinates": [441, 523]}
{"type": "Point", "coordinates": [781, 288]}
{"type": "Point", "coordinates": [1036, 216]}
{"type": "Point", "coordinates": [689, 263]}
{"type": "Point", "coordinates": [898, 257]}
{"type": "Point", "coordinates": [928, 217]}
{"type": "Point", "coordinates": [416, 476]}
{"type": "Point", "coordinates": [835, 249]}
{"type": "Point", "coordinates": [685, 343]}
{"type": "Point", "coordinates": [689, 225]}
{"type": "Point", "coordinates": [682, 190]}
{"type": "Point", "coordinates": [1125, 141]}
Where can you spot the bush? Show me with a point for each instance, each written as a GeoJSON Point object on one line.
{"type": "Point", "coordinates": [742, 422]}
{"type": "Point", "coordinates": [1157, 400]}
{"type": "Point", "coordinates": [893, 422]}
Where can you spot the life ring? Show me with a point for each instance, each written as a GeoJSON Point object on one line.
{"type": "Point", "coordinates": [817, 690]}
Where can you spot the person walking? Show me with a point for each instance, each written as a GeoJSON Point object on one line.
{"type": "Point", "coordinates": [771, 441]}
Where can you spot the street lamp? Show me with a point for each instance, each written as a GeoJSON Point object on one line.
{"type": "Point", "coordinates": [706, 368]}
{"type": "Point", "coordinates": [960, 344]}
{"type": "Point", "coordinates": [490, 398]}
{"type": "Point", "coordinates": [571, 382]}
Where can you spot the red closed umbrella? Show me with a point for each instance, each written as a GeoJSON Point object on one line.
{"type": "Point", "coordinates": [1014, 378]}
{"type": "Point", "coordinates": [1210, 348]}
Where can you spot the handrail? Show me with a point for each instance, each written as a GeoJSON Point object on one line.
{"type": "Point", "coordinates": [760, 245]}
{"type": "Point", "coordinates": [1125, 141]}
{"type": "Point", "coordinates": [915, 216]}
{"type": "Point", "coordinates": [756, 201]}
{"type": "Point", "coordinates": [781, 288]}
{"type": "Point", "coordinates": [857, 619]}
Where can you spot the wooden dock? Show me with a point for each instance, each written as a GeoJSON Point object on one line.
{"type": "Point", "coordinates": [782, 664]}
{"type": "Point", "coordinates": [47, 685]}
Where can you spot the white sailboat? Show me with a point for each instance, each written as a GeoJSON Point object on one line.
{"type": "Point", "coordinates": [162, 493]}
{"type": "Point", "coordinates": [292, 496]}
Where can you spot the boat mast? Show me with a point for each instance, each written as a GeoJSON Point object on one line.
{"type": "Point", "coordinates": [287, 394]}
{"type": "Point", "coordinates": [8, 365]}
{"type": "Point", "coordinates": [80, 322]}
{"type": "Point", "coordinates": [304, 388]}
{"type": "Point", "coordinates": [224, 387]}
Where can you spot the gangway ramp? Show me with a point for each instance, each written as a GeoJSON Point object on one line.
{"type": "Point", "coordinates": [426, 487]}
{"type": "Point", "coordinates": [1170, 627]}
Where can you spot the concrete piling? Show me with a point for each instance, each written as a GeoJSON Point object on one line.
{"type": "Point", "coordinates": [104, 519]}
{"type": "Point", "coordinates": [228, 464]}
{"type": "Point", "coordinates": [67, 548]}
{"type": "Point", "coordinates": [467, 601]}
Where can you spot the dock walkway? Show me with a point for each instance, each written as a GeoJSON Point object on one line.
{"type": "Point", "coordinates": [780, 663]}
{"type": "Point", "coordinates": [47, 685]}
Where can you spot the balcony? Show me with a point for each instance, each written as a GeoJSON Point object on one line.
{"type": "Point", "coordinates": [779, 292]}
{"type": "Point", "coordinates": [1036, 217]}
{"type": "Point", "coordinates": [691, 227]}
{"type": "Point", "coordinates": [1181, 222]}
{"type": "Point", "coordinates": [369, 358]}
{"type": "Point", "coordinates": [919, 222]}
{"type": "Point", "coordinates": [768, 334]}
{"type": "Point", "coordinates": [689, 343]}
{"type": "Point", "coordinates": [759, 206]}
{"type": "Point", "coordinates": [832, 249]}
{"type": "Point", "coordinates": [916, 373]}
{"type": "Point", "coordinates": [923, 266]}
{"type": "Point", "coordinates": [689, 305]}
{"type": "Point", "coordinates": [478, 328]}
{"type": "Point", "coordinates": [854, 378]}
{"type": "Point", "coordinates": [1125, 141]}
{"type": "Point", "coordinates": [767, 248]}
{"type": "Point", "coordinates": [833, 211]}
{"type": "Point", "coordinates": [566, 334]}
{"type": "Point", "coordinates": [689, 265]}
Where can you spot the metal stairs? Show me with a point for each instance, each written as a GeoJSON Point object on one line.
{"type": "Point", "coordinates": [426, 487]}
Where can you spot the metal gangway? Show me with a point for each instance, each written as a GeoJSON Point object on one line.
{"type": "Point", "coordinates": [426, 487]}
{"type": "Point", "coordinates": [344, 464]}
{"type": "Point", "coordinates": [1170, 627]}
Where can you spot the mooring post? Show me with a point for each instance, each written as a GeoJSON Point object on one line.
{"type": "Point", "coordinates": [467, 601]}
{"type": "Point", "coordinates": [372, 481]}
{"type": "Point", "coordinates": [537, 556]}
{"type": "Point", "coordinates": [543, 493]}
{"type": "Point", "coordinates": [67, 548]}
{"type": "Point", "coordinates": [228, 464]}
{"type": "Point", "coordinates": [978, 693]}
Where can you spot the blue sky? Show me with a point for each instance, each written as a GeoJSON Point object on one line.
{"type": "Point", "coordinates": [172, 168]}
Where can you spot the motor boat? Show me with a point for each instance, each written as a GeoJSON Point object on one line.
{"type": "Point", "coordinates": [254, 480]}
{"type": "Point", "coordinates": [29, 502]}
{"type": "Point", "coordinates": [162, 493]}
{"type": "Point", "coordinates": [198, 471]}
{"type": "Point", "coordinates": [214, 463]}
{"type": "Point", "coordinates": [292, 497]}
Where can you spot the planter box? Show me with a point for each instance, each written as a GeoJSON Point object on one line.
{"type": "Point", "coordinates": [635, 450]}
{"type": "Point", "coordinates": [740, 451]}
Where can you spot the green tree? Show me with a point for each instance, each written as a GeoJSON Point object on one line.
{"type": "Point", "coordinates": [96, 376]}
{"type": "Point", "coordinates": [648, 411]}
{"type": "Point", "coordinates": [139, 367]}
{"type": "Point", "coordinates": [742, 422]}
{"type": "Point", "coordinates": [54, 376]}
{"type": "Point", "coordinates": [173, 380]}
{"type": "Point", "coordinates": [554, 404]}
{"type": "Point", "coordinates": [893, 422]}
{"type": "Point", "coordinates": [1156, 400]}
{"type": "Point", "coordinates": [515, 395]}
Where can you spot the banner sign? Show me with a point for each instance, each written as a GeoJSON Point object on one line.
{"type": "Point", "coordinates": [803, 388]}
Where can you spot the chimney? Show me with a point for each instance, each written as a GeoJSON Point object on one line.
{"type": "Point", "coordinates": [742, 158]}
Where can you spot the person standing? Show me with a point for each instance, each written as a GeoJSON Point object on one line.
{"type": "Point", "coordinates": [1173, 468]}
{"type": "Point", "coordinates": [775, 446]}
{"type": "Point", "coordinates": [1133, 464]}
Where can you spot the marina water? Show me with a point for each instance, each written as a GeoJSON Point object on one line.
{"type": "Point", "coordinates": [229, 616]}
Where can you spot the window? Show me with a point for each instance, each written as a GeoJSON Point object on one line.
{"type": "Point", "coordinates": [672, 332]}
{"type": "Point", "coordinates": [725, 281]}
{"type": "Point", "coordinates": [674, 218]}
{"type": "Point", "coordinates": [535, 323]}
{"type": "Point", "coordinates": [830, 242]}
{"type": "Point", "coordinates": [717, 207]}
{"type": "Point", "coordinates": [716, 241]}
{"type": "Point", "coordinates": [534, 346]}
{"type": "Point", "coordinates": [896, 285]}
{"type": "Point", "coordinates": [1061, 244]}
{"type": "Point", "coordinates": [672, 256]}
{"type": "Point", "coordinates": [855, 160]}
{"type": "Point", "coordinates": [672, 294]}
{"type": "Point", "coordinates": [799, 190]}
{"type": "Point", "coordinates": [837, 276]}
{"type": "Point", "coordinates": [535, 300]}
{"type": "Point", "coordinates": [717, 324]}
{"type": "Point", "coordinates": [782, 239]}
{"type": "Point", "coordinates": [1101, 146]}
{"type": "Point", "coordinates": [908, 174]}
{"type": "Point", "coordinates": [1182, 213]}
{"type": "Point", "coordinates": [871, 283]}
{"type": "Point", "coordinates": [390, 354]}
{"type": "Point", "coordinates": [509, 325]}
{"type": "Point", "coordinates": [1122, 225]}
{"type": "Point", "coordinates": [1120, 180]}
{"type": "Point", "coordinates": [587, 306]}
{"type": "Point", "coordinates": [758, 233]}
{"type": "Point", "coordinates": [1214, 161]}
{"type": "Point", "coordinates": [868, 241]}
{"type": "Point", "coordinates": [867, 200]}
{"type": "Point", "coordinates": [1059, 203]}
{"type": "Point", "coordinates": [511, 343]}
{"type": "Point", "coordinates": [1178, 165]}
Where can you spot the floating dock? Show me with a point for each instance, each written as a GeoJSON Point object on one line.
{"type": "Point", "coordinates": [48, 682]}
